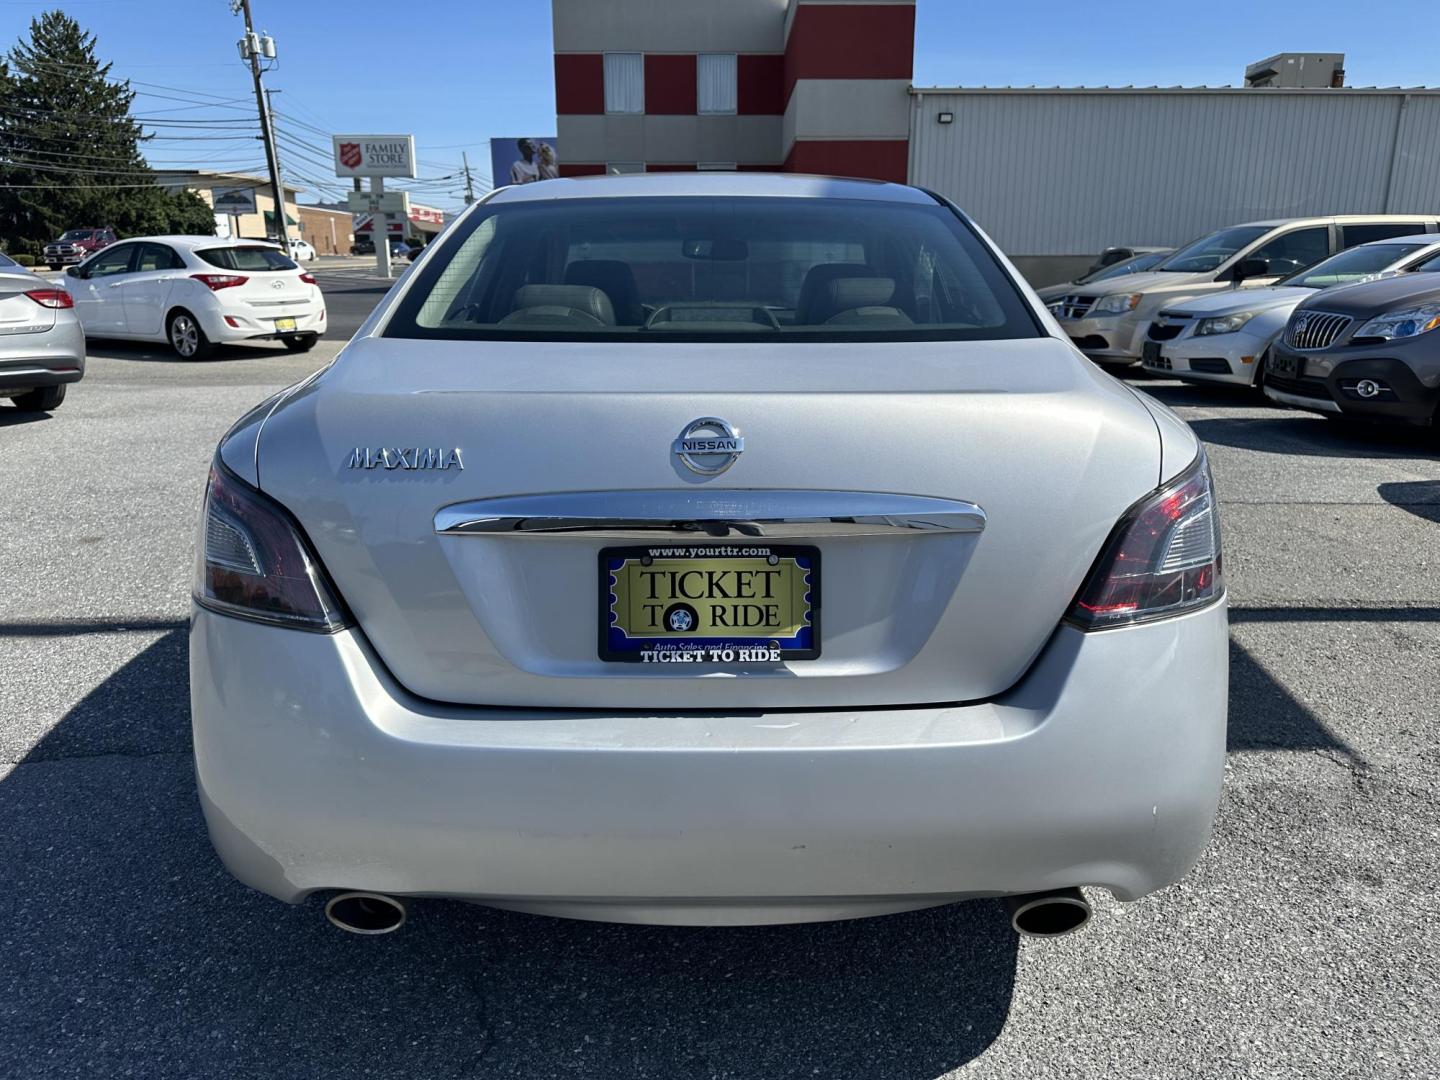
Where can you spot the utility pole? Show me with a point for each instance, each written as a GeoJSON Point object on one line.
{"type": "Point", "coordinates": [281, 225]}
{"type": "Point", "coordinates": [254, 49]}
{"type": "Point", "coordinates": [469, 185]}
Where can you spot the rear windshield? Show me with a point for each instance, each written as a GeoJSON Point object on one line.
{"type": "Point", "coordinates": [711, 269]}
{"type": "Point", "coordinates": [1209, 252]}
{"type": "Point", "coordinates": [1348, 267]}
{"type": "Point", "coordinates": [246, 258]}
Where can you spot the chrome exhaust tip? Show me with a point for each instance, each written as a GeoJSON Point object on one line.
{"type": "Point", "coordinates": [365, 912]}
{"type": "Point", "coordinates": [1048, 914]}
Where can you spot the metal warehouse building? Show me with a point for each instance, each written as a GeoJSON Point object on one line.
{"type": "Point", "coordinates": [1056, 175]}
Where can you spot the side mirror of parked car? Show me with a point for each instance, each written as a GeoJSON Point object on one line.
{"type": "Point", "coordinates": [73, 271]}
{"type": "Point", "coordinates": [1248, 268]}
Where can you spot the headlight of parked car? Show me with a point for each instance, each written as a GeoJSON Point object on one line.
{"type": "Point", "coordinates": [1401, 324]}
{"type": "Point", "coordinates": [1223, 324]}
{"type": "Point", "coordinates": [1116, 305]}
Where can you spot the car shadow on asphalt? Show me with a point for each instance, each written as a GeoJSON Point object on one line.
{"type": "Point", "coordinates": [155, 352]}
{"type": "Point", "coordinates": [130, 949]}
{"type": "Point", "coordinates": [1419, 497]}
{"type": "Point", "coordinates": [1289, 433]}
{"type": "Point", "coordinates": [13, 417]}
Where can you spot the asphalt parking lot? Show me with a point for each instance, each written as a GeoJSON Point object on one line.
{"type": "Point", "coordinates": [1302, 946]}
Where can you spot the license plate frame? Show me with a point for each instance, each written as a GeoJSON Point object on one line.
{"type": "Point", "coordinates": [286, 324]}
{"type": "Point", "coordinates": [1150, 354]}
{"type": "Point", "coordinates": [621, 644]}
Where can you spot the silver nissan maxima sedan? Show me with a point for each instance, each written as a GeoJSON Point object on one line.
{"type": "Point", "coordinates": [714, 549]}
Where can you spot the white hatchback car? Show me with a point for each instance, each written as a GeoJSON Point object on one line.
{"type": "Point", "coordinates": [196, 292]}
{"type": "Point", "coordinates": [711, 549]}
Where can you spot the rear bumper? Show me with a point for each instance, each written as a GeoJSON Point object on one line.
{"type": "Point", "coordinates": [309, 319]}
{"type": "Point", "coordinates": [50, 358]}
{"type": "Point", "coordinates": [1103, 767]}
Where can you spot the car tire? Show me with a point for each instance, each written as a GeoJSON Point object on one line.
{"type": "Point", "coordinates": [54, 266]}
{"type": "Point", "coordinates": [303, 343]}
{"type": "Point", "coordinates": [182, 331]}
{"type": "Point", "coordinates": [41, 399]}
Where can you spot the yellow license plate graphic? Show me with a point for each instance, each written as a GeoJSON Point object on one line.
{"type": "Point", "coordinates": [284, 324]}
{"type": "Point", "coordinates": [725, 604]}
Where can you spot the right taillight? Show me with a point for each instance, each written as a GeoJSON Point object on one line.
{"type": "Point", "coordinates": [1163, 559]}
{"type": "Point", "coordinates": [253, 561]}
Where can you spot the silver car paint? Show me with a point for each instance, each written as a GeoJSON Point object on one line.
{"type": "Point", "coordinates": [1102, 767]}
{"type": "Point", "coordinates": [1099, 762]}
{"type": "Point", "coordinates": [39, 346]}
{"type": "Point", "coordinates": [933, 618]}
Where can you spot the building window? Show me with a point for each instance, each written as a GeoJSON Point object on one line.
{"type": "Point", "coordinates": [715, 76]}
{"type": "Point", "coordinates": [716, 166]}
{"type": "Point", "coordinates": [620, 168]}
{"type": "Point", "coordinates": [624, 83]}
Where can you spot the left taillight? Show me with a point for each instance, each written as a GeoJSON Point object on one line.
{"type": "Point", "coordinates": [1162, 560]}
{"type": "Point", "coordinates": [51, 298]}
{"type": "Point", "coordinates": [216, 282]}
{"type": "Point", "coordinates": [308, 278]}
{"type": "Point", "coordinates": [255, 563]}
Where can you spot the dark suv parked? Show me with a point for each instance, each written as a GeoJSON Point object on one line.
{"type": "Point", "coordinates": [1368, 351]}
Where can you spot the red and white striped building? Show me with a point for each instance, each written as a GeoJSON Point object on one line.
{"type": "Point", "coordinates": [815, 86]}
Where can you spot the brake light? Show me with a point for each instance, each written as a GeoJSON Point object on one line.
{"type": "Point", "coordinates": [308, 278]}
{"type": "Point", "coordinates": [1163, 559]}
{"type": "Point", "coordinates": [221, 281]}
{"type": "Point", "coordinates": [51, 298]}
{"type": "Point", "coordinates": [255, 563]}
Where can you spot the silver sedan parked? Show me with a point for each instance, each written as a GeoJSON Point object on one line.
{"type": "Point", "coordinates": [42, 348]}
{"type": "Point", "coordinates": [716, 549]}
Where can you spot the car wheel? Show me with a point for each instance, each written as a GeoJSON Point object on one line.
{"type": "Point", "coordinates": [53, 266]}
{"type": "Point", "coordinates": [42, 399]}
{"type": "Point", "coordinates": [186, 337]}
{"type": "Point", "coordinates": [303, 343]}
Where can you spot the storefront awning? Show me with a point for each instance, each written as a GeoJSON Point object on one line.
{"type": "Point", "coordinates": [270, 220]}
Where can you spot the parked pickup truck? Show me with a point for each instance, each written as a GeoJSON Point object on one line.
{"type": "Point", "coordinates": [77, 245]}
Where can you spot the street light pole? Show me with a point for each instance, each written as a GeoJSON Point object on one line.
{"type": "Point", "coordinates": [251, 51]}
{"type": "Point", "coordinates": [469, 186]}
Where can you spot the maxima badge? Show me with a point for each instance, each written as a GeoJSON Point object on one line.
{"type": "Point", "coordinates": [708, 446]}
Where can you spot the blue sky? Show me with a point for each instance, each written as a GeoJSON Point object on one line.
{"type": "Point", "coordinates": [458, 73]}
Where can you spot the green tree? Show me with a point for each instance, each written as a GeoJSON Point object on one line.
{"type": "Point", "coordinates": [69, 148]}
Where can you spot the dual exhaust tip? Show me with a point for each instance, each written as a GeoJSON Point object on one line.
{"type": "Point", "coordinates": [1048, 914]}
{"type": "Point", "coordinates": [1041, 915]}
{"type": "Point", "coordinates": [366, 912]}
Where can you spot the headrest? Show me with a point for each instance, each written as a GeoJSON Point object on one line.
{"type": "Point", "coordinates": [582, 298]}
{"type": "Point", "coordinates": [845, 293]}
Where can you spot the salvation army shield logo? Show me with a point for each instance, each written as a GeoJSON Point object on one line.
{"type": "Point", "coordinates": [350, 155]}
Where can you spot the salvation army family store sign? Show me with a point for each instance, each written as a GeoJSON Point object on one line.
{"type": "Point", "coordinates": [374, 155]}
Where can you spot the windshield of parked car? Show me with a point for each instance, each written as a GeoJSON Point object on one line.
{"type": "Point", "coordinates": [246, 258]}
{"type": "Point", "coordinates": [78, 234]}
{"type": "Point", "coordinates": [713, 268]}
{"type": "Point", "coordinates": [1348, 267]}
{"type": "Point", "coordinates": [1120, 269]}
{"type": "Point", "coordinates": [1209, 252]}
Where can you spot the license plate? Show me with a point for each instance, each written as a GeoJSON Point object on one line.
{"type": "Point", "coordinates": [1285, 364]}
{"type": "Point", "coordinates": [725, 604]}
{"type": "Point", "coordinates": [1150, 353]}
{"type": "Point", "coordinates": [284, 325]}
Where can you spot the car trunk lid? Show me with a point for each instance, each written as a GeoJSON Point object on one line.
{"type": "Point", "coordinates": [368, 455]}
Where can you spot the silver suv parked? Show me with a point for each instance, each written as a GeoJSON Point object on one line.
{"type": "Point", "coordinates": [1109, 322]}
